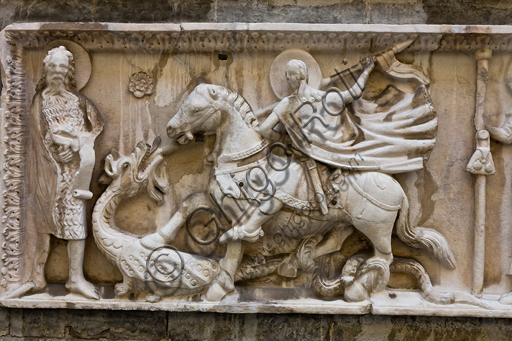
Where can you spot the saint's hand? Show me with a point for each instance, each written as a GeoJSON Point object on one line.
{"type": "Point", "coordinates": [67, 144]}
{"type": "Point", "coordinates": [64, 154]}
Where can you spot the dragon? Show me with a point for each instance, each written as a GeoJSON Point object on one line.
{"type": "Point", "coordinates": [161, 271]}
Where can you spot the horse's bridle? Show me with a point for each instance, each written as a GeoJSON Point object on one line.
{"type": "Point", "coordinates": [201, 119]}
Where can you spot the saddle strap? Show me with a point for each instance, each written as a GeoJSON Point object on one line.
{"type": "Point", "coordinates": [292, 202]}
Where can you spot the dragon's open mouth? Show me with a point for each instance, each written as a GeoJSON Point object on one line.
{"type": "Point", "coordinates": [148, 170]}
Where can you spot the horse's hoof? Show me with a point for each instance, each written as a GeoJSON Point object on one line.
{"type": "Point", "coordinates": [226, 237]}
{"type": "Point", "coordinates": [288, 268]}
{"type": "Point", "coordinates": [222, 286]}
{"type": "Point", "coordinates": [356, 293]}
{"type": "Point", "coordinates": [216, 293]}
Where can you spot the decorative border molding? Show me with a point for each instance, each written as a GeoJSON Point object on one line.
{"type": "Point", "coordinates": [14, 164]}
{"type": "Point", "coordinates": [190, 37]}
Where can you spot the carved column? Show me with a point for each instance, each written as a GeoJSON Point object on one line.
{"type": "Point", "coordinates": [480, 164]}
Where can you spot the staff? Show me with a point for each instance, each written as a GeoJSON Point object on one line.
{"type": "Point", "coordinates": [480, 164]}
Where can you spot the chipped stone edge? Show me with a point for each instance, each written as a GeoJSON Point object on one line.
{"type": "Point", "coordinates": [407, 303]}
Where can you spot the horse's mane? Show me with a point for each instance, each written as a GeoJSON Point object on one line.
{"type": "Point", "coordinates": [242, 106]}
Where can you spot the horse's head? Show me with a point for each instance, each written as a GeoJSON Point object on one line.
{"type": "Point", "coordinates": [200, 112]}
{"type": "Point", "coordinates": [139, 169]}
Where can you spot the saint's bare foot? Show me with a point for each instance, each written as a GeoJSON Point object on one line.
{"type": "Point", "coordinates": [84, 288]}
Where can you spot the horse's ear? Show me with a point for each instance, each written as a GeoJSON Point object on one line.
{"type": "Point", "coordinates": [214, 92]}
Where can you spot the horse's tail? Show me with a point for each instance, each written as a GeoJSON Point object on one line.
{"type": "Point", "coordinates": [420, 237]}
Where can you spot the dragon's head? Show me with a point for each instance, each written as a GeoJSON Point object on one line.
{"type": "Point", "coordinates": [129, 174]}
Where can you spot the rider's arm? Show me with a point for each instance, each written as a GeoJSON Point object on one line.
{"type": "Point", "coordinates": [357, 90]}
{"type": "Point", "coordinates": [267, 127]}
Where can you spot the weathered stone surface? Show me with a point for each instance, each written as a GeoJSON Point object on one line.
{"type": "Point", "coordinates": [346, 12]}
{"type": "Point", "coordinates": [229, 326]}
{"type": "Point", "coordinates": [461, 12]}
{"type": "Point", "coordinates": [16, 322]}
{"type": "Point", "coordinates": [279, 327]}
{"type": "Point", "coordinates": [181, 326]}
{"type": "Point", "coordinates": [333, 328]}
{"type": "Point", "coordinates": [103, 11]}
{"type": "Point", "coordinates": [44, 323]}
{"type": "Point", "coordinates": [160, 203]}
{"type": "Point", "coordinates": [158, 11]}
{"type": "Point", "coordinates": [397, 13]}
{"type": "Point", "coordinates": [4, 321]}
{"type": "Point", "coordinates": [467, 12]}
{"type": "Point", "coordinates": [116, 325]}
{"type": "Point", "coordinates": [126, 325]}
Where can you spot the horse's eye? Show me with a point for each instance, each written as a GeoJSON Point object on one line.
{"type": "Point", "coordinates": [125, 165]}
{"type": "Point", "coordinates": [197, 110]}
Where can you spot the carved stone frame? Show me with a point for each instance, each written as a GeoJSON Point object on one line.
{"type": "Point", "coordinates": [191, 37]}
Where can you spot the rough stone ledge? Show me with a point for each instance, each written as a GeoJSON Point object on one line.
{"type": "Point", "coordinates": [245, 301]}
{"type": "Point", "coordinates": [264, 27]}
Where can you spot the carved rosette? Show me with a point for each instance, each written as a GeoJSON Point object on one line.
{"type": "Point", "coordinates": [141, 84]}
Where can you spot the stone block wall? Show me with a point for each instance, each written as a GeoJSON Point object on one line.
{"type": "Point", "coordinates": [19, 324]}
{"type": "Point", "coordinates": [31, 324]}
{"type": "Point", "coordinates": [459, 12]}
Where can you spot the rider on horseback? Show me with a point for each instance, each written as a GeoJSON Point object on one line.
{"type": "Point", "coordinates": [305, 95]}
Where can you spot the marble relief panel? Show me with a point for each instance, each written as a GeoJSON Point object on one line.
{"type": "Point", "coordinates": [248, 167]}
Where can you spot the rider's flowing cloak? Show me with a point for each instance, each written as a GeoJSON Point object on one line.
{"type": "Point", "coordinates": [394, 133]}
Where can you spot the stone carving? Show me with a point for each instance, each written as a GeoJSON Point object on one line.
{"type": "Point", "coordinates": [503, 134]}
{"type": "Point", "coordinates": [203, 109]}
{"type": "Point", "coordinates": [14, 162]}
{"type": "Point", "coordinates": [480, 164]}
{"type": "Point", "coordinates": [64, 125]}
{"type": "Point", "coordinates": [293, 205]}
{"type": "Point", "coordinates": [393, 67]}
{"type": "Point", "coordinates": [361, 204]}
{"type": "Point", "coordinates": [142, 269]}
{"type": "Point", "coordinates": [141, 84]}
{"type": "Point", "coordinates": [190, 37]}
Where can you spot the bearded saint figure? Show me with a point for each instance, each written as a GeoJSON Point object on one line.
{"type": "Point", "coordinates": [63, 127]}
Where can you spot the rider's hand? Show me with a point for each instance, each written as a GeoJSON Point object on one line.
{"type": "Point", "coordinates": [369, 63]}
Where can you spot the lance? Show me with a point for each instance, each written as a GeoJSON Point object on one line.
{"type": "Point", "coordinates": [387, 62]}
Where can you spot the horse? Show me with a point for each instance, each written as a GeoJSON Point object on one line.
{"type": "Point", "coordinates": [255, 186]}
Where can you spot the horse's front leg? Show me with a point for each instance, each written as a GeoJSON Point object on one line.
{"type": "Point", "coordinates": [224, 283]}
{"type": "Point", "coordinates": [166, 234]}
{"type": "Point", "coordinates": [249, 224]}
